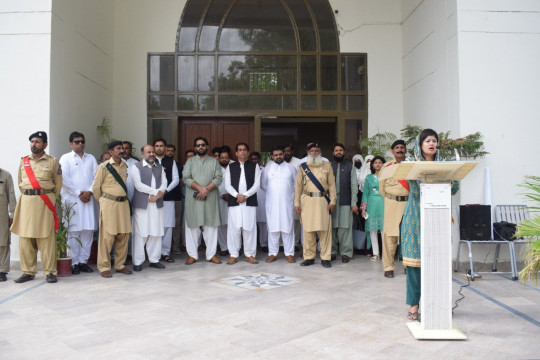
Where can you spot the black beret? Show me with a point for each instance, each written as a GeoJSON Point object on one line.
{"type": "Point", "coordinates": [39, 134]}
{"type": "Point", "coordinates": [114, 144]}
{"type": "Point", "coordinates": [313, 145]}
{"type": "Point", "coordinates": [398, 142]}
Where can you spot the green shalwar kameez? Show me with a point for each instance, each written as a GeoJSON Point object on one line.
{"type": "Point", "coordinates": [342, 219]}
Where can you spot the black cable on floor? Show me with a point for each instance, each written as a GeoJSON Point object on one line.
{"type": "Point", "coordinates": [460, 293]}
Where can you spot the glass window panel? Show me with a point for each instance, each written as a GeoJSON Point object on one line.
{"type": "Point", "coordinates": [306, 30]}
{"type": "Point", "coordinates": [190, 24]}
{"type": "Point", "coordinates": [186, 73]}
{"type": "Point", "coordinates": [255, 26]}
{"type": "Point", "coordinates": [309, 73]}
{"type": "Point", "coordinates": [353, 102]}
{"type": "Point", "coordinates": [206, 73]}
{"type": "Point", "coordinates": [329, 73]}
{"type": "Point", "coordinates": [161, 102]}
{"type": "Point", "coordinates": [207, 41]}
{"type": "Point", "coordinates": [353, 73]}
{"type": "Point", "coordinates": [161, 73]}
{"type": "Point", "coordinates": [251, 102]}
{"type": "Point", "coordinates": [206, 102]}
{"type": "Point", "coordinates": [289, 102]}
{"type": "Point", "coordinates": [325, 22]}
{"type": "Point", "coordinates": [162, 128]}
{"type": "Point", "coordinates": [185, 102]}
{"type": "Point", "coordinates": [309, 102]}
{"type": "Point", "coordinates": [257, 73]}
{"type": "Point", "coordinates": [329, 102]}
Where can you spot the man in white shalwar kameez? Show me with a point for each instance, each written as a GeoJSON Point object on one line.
{"type": "Point", "coordinates": [150, 184]}
{"type": "Point", "coordinates": [242, 181]}
{"type": "Point", "coordinates": [173, 180]}
{"type": "Point", "coordinates": [224, 161]}
{"type": "Point", "coordinates": [278, 179]}
{"type": "Point", "coordinates": [78, 170]}
{"type": "Point", "coordinates": [262, 227]}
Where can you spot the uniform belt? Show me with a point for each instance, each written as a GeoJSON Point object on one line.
{"type": "Point", "coordinates": [315, 194]}
{"type": "Point", "coordinates": [36, 191]}
{"type": "Point", "coordinates": [114, 198]}
{"type": "Point", "coordinates": [397, 198]}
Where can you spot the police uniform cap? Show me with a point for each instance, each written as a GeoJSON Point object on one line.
{"type": "Point", "coordinates": [39, 134]}
{"type": "Point", "coordinates": [114, 144]}
{"type": "Point", "coordinates": [397, 142]}
{"type": "Point", "coordinates": [313, 145]}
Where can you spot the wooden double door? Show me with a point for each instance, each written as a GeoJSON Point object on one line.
{"type": "Point", "coordinates": [218, 130]}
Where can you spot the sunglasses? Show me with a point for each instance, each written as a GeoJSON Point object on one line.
{"type": "Point", "coordinates": [77, 142]}
{"type": "Point", "coordinates": [200, 145]}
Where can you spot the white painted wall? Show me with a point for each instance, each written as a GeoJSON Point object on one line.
{"type": "Point", "coordinates": [140, 27]}
{"type": "Point", "coordinates": [81, 71]}
{"type": "Point", "coordinates": [25, 45]}
{"type": "Point", "coordinates": [374, 27]}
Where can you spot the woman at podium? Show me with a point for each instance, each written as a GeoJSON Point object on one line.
{"type": "Point", "coordinates": [426, 148]}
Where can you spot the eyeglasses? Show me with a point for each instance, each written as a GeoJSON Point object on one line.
{"type": "Point", "coordinates": [200, 145]}
{"type": "Point", "coordinates": [77, 142]}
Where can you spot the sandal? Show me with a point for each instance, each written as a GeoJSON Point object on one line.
{"type": "Point", "coordinates": [167, 258]}
{"type": "Point", "coordinates": [375, 258]}
{"type": "Point", "coordinates": [413, 316]}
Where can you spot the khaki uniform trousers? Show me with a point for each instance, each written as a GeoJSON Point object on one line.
{"type": "Point", "coordinates": [29, 247]}
{"type": "Point", "coordinates": [310, 244]}
{"type": "Point", "coordinates": [4, 258]}
{"type": "Point", "coordinates": [105, 244]}
{"type": "Point", "coordinates": [390, 244]}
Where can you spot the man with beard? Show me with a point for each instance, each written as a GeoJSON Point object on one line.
{"type": "Point", "coordinates": [172, 193]}
{"type": "Point", "coordinates": [128, 157]}
{"type": "Point", "coordinates": [347, 193]}
{"type": "Point", "coordinates": [150, 183]}
{"type": "Point", "coordinates": [78, 171]}
{"type": "Point", "coordinates": [35, 219]}
{"type": "Point", "coordinates": [223, 204]}
{"type": "Point", "coordinates": [288, 155]}
{"type": "Point", "coordinates": [202, 176]}
{"type": "Point", "coordinates": [395, 194]}
{"type": "Point", "coordinates": [278, 181]}
{"type": "Point", "coordinates": [114, 221]}
{"type": "Point", "coordinates": [242, 181]}
{"type": "Point", "coordinates": [314, 200]}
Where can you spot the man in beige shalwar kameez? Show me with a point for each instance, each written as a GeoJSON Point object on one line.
{"type": "Point", "coordinates": [315, 211]}
{"type": "Point", "coordinates": [395, 194]}
{"type": "Point", "coordinates": [114, 219]}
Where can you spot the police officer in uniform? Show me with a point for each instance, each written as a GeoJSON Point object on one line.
{"type": "Point", "coordinates": [40, 181]}
{"type": "Point", "coordinates": [114, 219]}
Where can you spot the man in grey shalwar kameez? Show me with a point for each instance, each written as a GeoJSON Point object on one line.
{"type": "Point", "coordinates": [202, 176]}
{"type": "Point", "coordinates": [7, 208]}
{"type": "Point", "coordinates": [347, 192]}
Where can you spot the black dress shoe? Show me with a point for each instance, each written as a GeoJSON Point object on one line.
{"type": "Point", "coordinates": [75, 270]}
{"type": "Point", "coordinates": [24, 278]}
{"type": "Point", "coordinates": [326, 263]}
{"type": "Point", "coordinates": [85, 268]}
{"type": "Point", "coordinates": [157, 265]}
{"type": "Point", "coordinates": [333, 257]}
{"type": "Point", "coordinates": [3, 276]}
{"type": "Point", "coordinates": [389, 274]}
{"type": "Point", "coordinates": [137, 267]}
{"type": "Point", "coordinates": [345, 259]}
{"type": "Point", "coordinates": [51, 278]}
{"type": "Point", "coordinates": [307, 262]}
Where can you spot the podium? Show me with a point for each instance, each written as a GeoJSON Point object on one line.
{"type": "Point", "coordinates": [436, 244]}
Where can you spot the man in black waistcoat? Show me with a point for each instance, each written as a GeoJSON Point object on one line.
{"type": "Point", "coordinates": [172, 193]}
{"type": "Point", "coordinates": [347, 191]}
{"type": "Point", "coordinates": [242, 181]}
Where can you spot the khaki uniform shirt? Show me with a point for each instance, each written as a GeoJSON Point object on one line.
{"type": "Point", "coordinates": [32, 218]}
{"type": "Point", "coordinates": [113, 215]}
{"type": "Point", "coordinates": [393, 210]}
{"type": "Point", "coordinates": [7, 205]}
{"type": "Point", "coordinates": [314, 215]}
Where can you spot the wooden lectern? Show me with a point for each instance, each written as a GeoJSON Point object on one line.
{"type": "Point", "coordinates": [436, 243]}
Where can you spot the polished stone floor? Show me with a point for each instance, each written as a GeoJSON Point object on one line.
{"type": "Point", "coordinates": [264, 311]}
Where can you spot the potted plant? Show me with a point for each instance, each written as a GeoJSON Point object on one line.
{"type": "Point", "coordinates": [530, 228]}
{"type": "Point", "coordinates": [64, 212]}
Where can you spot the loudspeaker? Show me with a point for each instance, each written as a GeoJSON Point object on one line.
{"type": "Point", "coordinates": [475, 222]}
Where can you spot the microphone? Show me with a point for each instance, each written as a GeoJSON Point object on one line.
{"type": "Point", "coordinates": [438, 147]}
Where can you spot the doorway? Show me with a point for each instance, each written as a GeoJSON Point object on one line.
{"type": "Point", "coordinates": [298, 131]}
{"type": "Point", "coordinates": [218, 130]}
